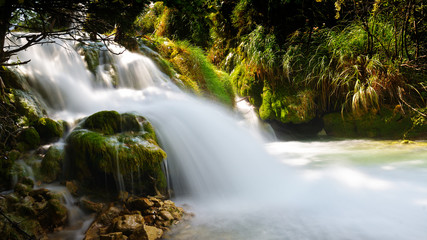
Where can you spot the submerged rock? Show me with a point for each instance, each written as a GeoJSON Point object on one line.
{"type": "Point", "coordinates": [112, 148]}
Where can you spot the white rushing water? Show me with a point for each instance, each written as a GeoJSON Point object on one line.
{"type": "Point", "coordinates": [237, 189]}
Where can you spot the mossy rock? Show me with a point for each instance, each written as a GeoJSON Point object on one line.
{"type": "Point", "coordinates": [384, 124]}
{"type": "Point", "coordinates": [419, 125]}
{"type": "Point", "coordinates": [27, 105]}
{"type": "Point", "coordinates": [36, 213]}
{"type": "Point", "coordinates": [90, 53]}
{"type": "Point", "coordinates": [247, 84]}
{"type": "Point", "coordinates": [287, 105]}
{"type": "Point", "coordinates": [49, 129]}
{"type": "Point", "coordinates": [51, 165]}
{"type": "Point", "coordinates": [116, 148]}
{"type": "Point", "coordinates": [6, 164]}
{"type": "Point", "coordinates": [111, 122]}
{"type": "Point", "coordinates": [30, 226]}
{"type": "Point", "coordinates": [28, 139]}
{"type": "Point", "coordinates": [12, 78]}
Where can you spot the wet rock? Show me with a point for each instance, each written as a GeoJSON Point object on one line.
{"type": "Point", "coordinates": [166, 215]}
{"type": "Point", "coordinates": [27, 105]}
{"type": "Point", "coordinates": [53, 215]}
{"type": "Point", "coordinates": [49, 129]}
{"type": "Point", "coordinates": [40, 194]}
{"type": "Point", "coordinates": [149, 224]}
{"type": "Point", "coordinates": [147, 233]}
{"type": "Point", "coordinates": [14, 155]}
{"type": "Point", "coordinates": [111, 148]}
{"type": "Point", "coordinates": [22, 189]}
{"type": "Point", "coordinates": [28, 139]}
{"type": "Point", "coordinates": [72, 187]}
{"type": "Point", "coordinates": [51, 165]}
{"type": "Point", "coordinates": [107, 216]}
{"type": "Point", "coordinates": [35, 212]}
{"type": "Point", "coordinates": [90, 206]}
{"type": "Point", "coordinates": [113, 236]}
{"type": "Point", "coordinates": [134, 203]}
{"type": "Point", "coordinates": [128, 223]}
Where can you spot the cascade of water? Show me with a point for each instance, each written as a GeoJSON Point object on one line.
{"type": "Point", "coordinates": [211, 159]}
{"type": "Point", "coordinates": [199, 137]}
{"type": "Point", "coordinates": [252, 122]}
{"type": "Point", "coordinates": [78, 221]}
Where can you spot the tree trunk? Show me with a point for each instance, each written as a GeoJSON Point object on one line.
{"type": "Point", "coordinates": [5, 16]}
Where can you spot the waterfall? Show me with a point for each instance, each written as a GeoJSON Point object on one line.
{"type": "Point", "coordinates": [209, 154]}
{"type": "Point", "coordinates": [237, 189]}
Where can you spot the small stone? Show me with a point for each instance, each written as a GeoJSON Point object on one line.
{"type": "Point", "coordinates": [139, 203]}
{"type": "Point", "coordinates": [72, 187]}
{"type": "Point", "coordinates": [157, 202]}
{"type": "Point", "coordinates": [91, 206]}
{"type": "Point", "coordinates": [22, 189]}
{"type": "Point", "coordinates": [108, 216]}
{"type": "Point", "coordinates": [166, 215]}
{"type": "Point", "coordinates": [128, 223]}
{"type": "Point", "coordinates": [150, 219]}
{"type": "Point", "coordinates": [113, 236]}
{"type": "Point", "coordinates": [40, 194]}
{"type": "Point", "coordinates": [147, 233]}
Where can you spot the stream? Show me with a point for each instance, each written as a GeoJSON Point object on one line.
{"type": "Point", "coordinates": [239, 185]}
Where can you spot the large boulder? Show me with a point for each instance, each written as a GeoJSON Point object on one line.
{"type": "Point", "coordinates": [110, 148]}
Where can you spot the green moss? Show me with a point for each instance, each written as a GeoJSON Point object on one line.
{"type": "Point", "coordinates": [216, 82]}
{"type": "Point", "coordinates": [12, 78]}
{"type": "Point", "coordinates": [193, 70]}
{"type": "Point", "coordinates": [6, 164]}
{"type": "Point", "coordinates": [27, 105]}
{"type": "Point", "coordinates": [107, 122]}
{"type": "Point", "coordinates": [28, 225]}
{"type": "Point", "coordinates": [130, 122]}
{"type": "Point", "coordinates": [90, 53]}
{"type": "Point", "coordinates": [28, 139]}
{"type": "Point", "coordinates": [385, 124]}
{"type": "Point", "coordinates": [132, 153]}
{"type": "Point", "coordinates": [287, 105]}
{"type": "Point", "coordinates": [22, 189]}
{"type": "Point", "coordinates": [48, 129]}
{"type": "Point", "coordinates": [419, 125]}
{"type": "Point", "coordinates": [247, 85]}
{"type": "Point", "coordinates": [51, 165]}
{"type": "Point", "coordinates": [111, 122]}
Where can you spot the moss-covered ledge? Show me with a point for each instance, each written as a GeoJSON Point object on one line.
{"type": "Point", "coordinates": [116, 152]}
{"type": "Point", "coordinates": [388, 123]}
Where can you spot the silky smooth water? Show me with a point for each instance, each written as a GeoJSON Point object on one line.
{"type": "Point", "coordinates": [238, 186]}
{"type": "Point", "coordinates": [342, 190]}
